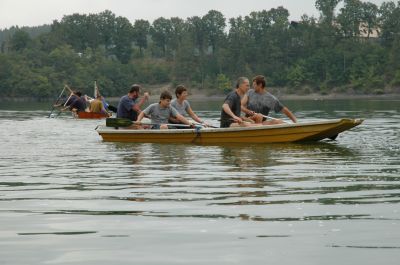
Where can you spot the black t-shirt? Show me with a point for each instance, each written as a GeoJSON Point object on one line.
{"type": "Point", "coordinates": [234, 102]}
{"type": "Point", "coordinates": [79, 104]}
{"type": "Point", "coordinates": [70, 100]}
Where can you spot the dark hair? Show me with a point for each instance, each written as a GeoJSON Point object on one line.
{"type": "Point", "coordinates": [78, 93]}
{"type": "Point", "coordinates": [259, 79]}
{"type": "Point", "coordinates": [165, 95]}
{"type": "Point", "coordinates": [134, 88]}
{"type": "Point", "coordinates": [179, 90]}
{"type": "Point", "coordinates": [241, 81]}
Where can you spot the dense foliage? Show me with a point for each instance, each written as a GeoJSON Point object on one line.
{"type": "Point", "coordinates": [338, 52]}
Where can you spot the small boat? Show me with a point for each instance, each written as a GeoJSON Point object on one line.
{"type": "Point", "coordinates": [91, 115]}
{"type": "Point", "coordinates": [280, 133]}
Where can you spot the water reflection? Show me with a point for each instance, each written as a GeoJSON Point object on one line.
{"type": "Point", "coordinates": [245, 157]}
{"type": "Point", "coordinates": [58, 178]}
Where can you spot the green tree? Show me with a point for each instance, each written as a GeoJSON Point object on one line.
{"type": "Point", "coordinates": [161, 33]}
{"type": "Point", "coordinates": [141, 29]}
{"type": "Point", "coordinates": [390, 23]}
{"type": "Point", "coordinates": [224, 84]}
{"type": "Point", "coordinates": [213, 26]}
{"type": "Point", "coordinates": [20, 40]}
{"type": "Point", "coordinates": [123, 39]}
{"type": "Point", "coordinates": [351, 17]}
{"type": "Point", "coordinates": [327, 9]}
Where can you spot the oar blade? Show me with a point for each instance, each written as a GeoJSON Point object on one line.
{"type": "Point", "coordinates": [118, 122]}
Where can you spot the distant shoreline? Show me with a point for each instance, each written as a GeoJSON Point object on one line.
{"type": "Point", "coordinates": [198, 95]}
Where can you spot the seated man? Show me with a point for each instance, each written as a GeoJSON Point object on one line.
{"type": "Point", "coordinates": [129, 105]}
{"type": "Point", "coordinates": [160, 113]}
{"type": "Point", "coordinates": [231, 109]}
{"type": "Point", "coordinates": [78, 104]}
{"type": "Point", "coordinates": [182, 105]}
{"type": "Point", "coordinates": [258, 102]}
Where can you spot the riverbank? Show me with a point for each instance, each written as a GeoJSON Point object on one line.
{"type": "Point", "coordinates": [203, 95]}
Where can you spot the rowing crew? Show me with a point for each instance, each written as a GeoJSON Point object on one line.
{"type": "Point", "coordinates": [77, 102]}
{"type": "Point", "coordinates": [255, 103]}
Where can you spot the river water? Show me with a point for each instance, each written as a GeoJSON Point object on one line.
{"type": "Point", "coordinates": [67, 197]}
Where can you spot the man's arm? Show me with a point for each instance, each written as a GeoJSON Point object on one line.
{"type": "Point", "coordinates": [228, 111]}
{"type": "Point", "coordinates": [140, 116]}
{"type": "Point", "coordinates": [137, 106]}
{"type": "Point", "coordinates": [289, 114]}
{"type": "Point", "coordinates": [193, 115]}
{"type": "Point", "coordinates": [243, 106]}
{"type": "Point", "coordinates": [183, 119]}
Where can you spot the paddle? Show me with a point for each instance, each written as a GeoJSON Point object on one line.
{"type": "Point", "coordinates": [203, 124]}
{"type": "Point", "coordinates": [122, 122]}
{"type": "Point", "coordinates": [269, 117]}
{"type": "Point", "coordinates": [55, 103]}
{"type": "Point", "coordinates": [106, 105]}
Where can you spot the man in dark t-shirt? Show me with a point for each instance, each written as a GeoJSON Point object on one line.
{"type": "Point", "coordinates": [78, 104]}
{"type": "Point", "coordinates": [230, 113]}
{"type": "Point", "coordinates": [129, 105]}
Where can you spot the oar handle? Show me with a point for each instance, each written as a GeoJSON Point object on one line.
{"type": "Point", "coordinates": [272, 118]}
{"type": "Point", "coordinates": [122, 122]}
{"type": "Point", "coordinates": [55, 103]}
{"type": "Point", "coordinates": [267, 117]}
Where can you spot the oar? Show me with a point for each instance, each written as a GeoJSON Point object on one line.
{"type": "Point", "coordinates": [269, 117]}
{"type": "Point", "coordinates": [65, 104]}
{"type": "Point", "coordinates": [51, 112]}
{"type": "Point", "coordinates": [205, 124]}
{"type": "Point", "coordinates": [106, 105]}
{"type": "Point", "coordinates": [122, 122]}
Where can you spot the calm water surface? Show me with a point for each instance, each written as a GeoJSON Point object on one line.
{"type": "Point", "coordinates": [66, 197]}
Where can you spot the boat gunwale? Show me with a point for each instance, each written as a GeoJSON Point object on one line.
{"type": "Point", "coordinates": [103, 129]}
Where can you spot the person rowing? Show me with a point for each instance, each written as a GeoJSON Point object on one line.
{"type": "Point", "coordinates": [129, 105]}
{"type": "Point", "coordinates": [181, 104]}
{"type": "Point", "coordinates": [231, 109]}
{"type": "Point", "coordinates": [97, 106]}
{"type": "Point", "coordinates": [258, 102]}
{"type": "Point", "coordinates": [161, 112]}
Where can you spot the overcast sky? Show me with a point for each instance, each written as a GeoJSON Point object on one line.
{"type": "Point", "coordinates": [38, 12]}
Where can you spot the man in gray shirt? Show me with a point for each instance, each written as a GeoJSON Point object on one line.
{"type": "Point", "coordinates": [258, 102]}
{"type": "Point", "coordinates": [160, 112]}
{"type": "Point", "coordinates": [182, 105]}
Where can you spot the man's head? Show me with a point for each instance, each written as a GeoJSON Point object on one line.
{"type": "Point", "coordinates": [259, 81]}
{"type": "Point", "coordinates": [78, 93]}
{"type": "Point", "coordinates": [243, 84]}
{"type": "Point", "coordinates": [134, 91]}
{"type": "Point", "coordinates": [165, 99]}
{"type": "Point", "coordinates": [180, 91]}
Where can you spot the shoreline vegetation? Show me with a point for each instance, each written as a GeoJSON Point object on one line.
{"type": "Point", "coordinates": [204, 95]}
{"type": "Point", "coordinates": [352, 51]}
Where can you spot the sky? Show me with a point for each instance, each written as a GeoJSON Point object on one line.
{"type": "Point", "coordinates": [38, 12]}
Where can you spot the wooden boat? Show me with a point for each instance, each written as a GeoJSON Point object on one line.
{"type": "Point", "coordinates": [287, 132]}
{"type": "Point", "coordinates": [90, 115]}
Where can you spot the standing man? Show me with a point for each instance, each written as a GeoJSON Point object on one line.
{"type": "Point", "coordinates": [230, 113]}
{"type": "Point", "coordinates": [258, 102]}
{"type": "Point", "coordinates": [129, 105]}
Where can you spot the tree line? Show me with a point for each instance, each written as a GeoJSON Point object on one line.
{"type": "Point", "coordinates": [355, 49]}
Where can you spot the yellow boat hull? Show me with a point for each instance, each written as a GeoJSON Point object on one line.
{"type": "Point", "coordinates": [308, 131]}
